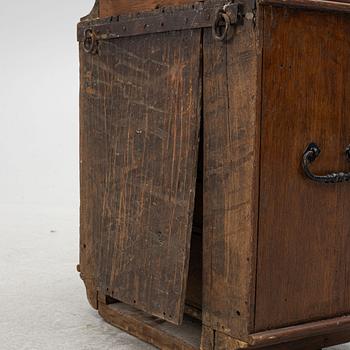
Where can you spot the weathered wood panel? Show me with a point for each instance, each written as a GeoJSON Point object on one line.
{"type": "Point", "coordinates": [140, 119]}
{"type": "Point", "coordinates": [231, 161]}
{"type": "Point", "coordinates": [90, 191]}
{"type": "Point", "coordinates": [118, 7]}
{"type": "Point", "coordinates": [319, 342]}
{"type": "Point", "coordinates": [304, 263]}
{"type": "Point", "coordinates": [161, 334]}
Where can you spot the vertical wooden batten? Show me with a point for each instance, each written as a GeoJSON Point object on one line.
{"type": "Point", "coordinates": [231, 178]}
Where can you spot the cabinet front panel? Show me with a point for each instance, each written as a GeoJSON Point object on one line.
{"type": "Point", "coordinates": [140, 119]}
{"type": "Point", "coordinates": [304, 232]}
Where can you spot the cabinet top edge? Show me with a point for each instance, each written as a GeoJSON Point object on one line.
{"type": "Point", "coordinates": [109, 8]}
{"type": "Point", "coordinates": [321, 5]}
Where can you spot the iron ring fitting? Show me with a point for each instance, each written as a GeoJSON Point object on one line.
{"type": "Point", "coordinates": [221, 16]}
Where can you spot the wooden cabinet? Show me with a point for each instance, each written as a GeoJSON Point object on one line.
{"type": "Point", "coordinates": [214, 171]}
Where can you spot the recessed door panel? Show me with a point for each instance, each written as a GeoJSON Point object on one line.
{"type": "Point", "coordinates": [304, 234]}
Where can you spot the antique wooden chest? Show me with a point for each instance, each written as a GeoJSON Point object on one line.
{"type": "Point", "coordinates": [214, 166]}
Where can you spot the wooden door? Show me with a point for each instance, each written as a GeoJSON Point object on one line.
{"type": "Point", "coordinates": [304, 233]}
{"type": "Point", "coordinates": [140, 118]}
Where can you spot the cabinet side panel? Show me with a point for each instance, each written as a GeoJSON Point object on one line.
{"type": "Point", "coordinates": [231, 163]}
{"type": "Point", "coordinates": [140, 123]}
{"type": "Point", "coordinates": [90, 191]}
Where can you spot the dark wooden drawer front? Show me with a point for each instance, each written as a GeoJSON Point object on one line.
{"type": "Point", "coordinates": [304, 234]}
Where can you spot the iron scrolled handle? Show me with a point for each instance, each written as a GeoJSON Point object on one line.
{"type": "Point", "coordinates": [311, 153]}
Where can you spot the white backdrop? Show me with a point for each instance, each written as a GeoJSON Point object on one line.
{"type": "Point", "coordinates": [39, 101]}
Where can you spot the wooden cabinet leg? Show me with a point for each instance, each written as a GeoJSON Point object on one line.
{"type": "Point", "coordinates": [91, 292]}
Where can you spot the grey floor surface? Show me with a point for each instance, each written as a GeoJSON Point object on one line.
{"type": "Point", "coordinates": [43, 303]}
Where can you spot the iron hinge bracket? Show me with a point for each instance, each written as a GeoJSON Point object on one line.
{"type": "Point", "coordinates": [218, 15]}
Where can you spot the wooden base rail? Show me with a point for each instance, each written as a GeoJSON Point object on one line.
{"type": "Point", "coordinates": [193, 336]}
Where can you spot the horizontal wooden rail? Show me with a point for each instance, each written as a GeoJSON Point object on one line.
{"type": "Point", "coordinates": [319, 5]}
{"type": "Point", "coordinates": [294, 333]}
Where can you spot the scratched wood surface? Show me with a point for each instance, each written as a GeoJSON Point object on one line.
{"type": "Point", "coordinates": [223, 342]}
{"type": "Point", "coordinates": [231, 160]}
{"type": "Point", "coordinates": [304, 236]}
{"type": "Point", "coordinates": [118, 7]}
{"type": "Point", "coordinates": [140, 119]}
{"type": "Point", "coordinates": [161, 334]}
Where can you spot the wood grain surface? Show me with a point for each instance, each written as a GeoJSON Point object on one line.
{"type": "Point", "coordinates": [161, 334]}
{"type": "Point", "coordinates": [223, 342]}
{"type": "Point", "coordinates": [118, 7]}
{"type": "Point", "coordinates": [231, 159]}
{"type": "Point", "coordinates": [304, 235]}
{"type": "Point", "coordinates": [140, 119]}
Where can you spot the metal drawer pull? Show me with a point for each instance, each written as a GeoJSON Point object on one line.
{"type": "Point", "coordinates": [310, 155]}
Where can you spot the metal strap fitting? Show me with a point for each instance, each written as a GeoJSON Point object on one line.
{"type": "Point", "coordinates": [201, 15]}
